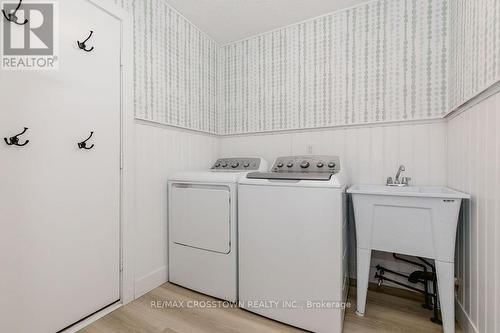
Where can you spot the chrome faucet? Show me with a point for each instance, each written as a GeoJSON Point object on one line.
{"type": "Point", "coordinates": [399, 182]}
{"type": "Point", "coordinates": [401, 169]}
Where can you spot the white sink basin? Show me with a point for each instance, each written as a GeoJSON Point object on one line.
{"type": "Point", "coordinates": [410, 191]}
{"type": "Point", "coordinates": [416, 220]}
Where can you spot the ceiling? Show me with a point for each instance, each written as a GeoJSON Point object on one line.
{"type": "Point", "coordinates": [231, 20]}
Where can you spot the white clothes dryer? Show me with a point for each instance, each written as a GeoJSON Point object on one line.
{"type": "Point", "coordinates": [202, 227]}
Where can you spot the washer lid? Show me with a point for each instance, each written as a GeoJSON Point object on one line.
{"type": "Point", "coordinates": [321, 176]}
{"type": "Point", "coordinates": [336, 181]}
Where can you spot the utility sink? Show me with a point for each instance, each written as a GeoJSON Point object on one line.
{"type": "Point", "coordinates": [414, 220]}
{"type": "Point", "coordinates": [411, 191]}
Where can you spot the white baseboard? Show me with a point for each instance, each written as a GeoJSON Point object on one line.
{"type": "Point", "coordinates": [84, 323]}
{"type": "Point", "coordinates": [151, 281]}
{"type": "Point", "coordinates": [464, 319]}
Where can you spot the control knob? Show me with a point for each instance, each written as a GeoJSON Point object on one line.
{"type": "Point", "coordinates": [280, 165]}
{"type": "Point", "coordinates": [235, 165]}
{"type": "Point", "coordinates": [304, 164]}
{"type": "Point", "coordinates": [320, 165]}
{"type": "Point", "coordinates": [217, 165]}
{"type": "Point", "coordinates": [246, 165]}
{"type": "Point", "coordinates": [331, 165]}
{"type": "Point", "coordinates": [290, 164]}
{"type": "Point", "coordinates": [224, 165]}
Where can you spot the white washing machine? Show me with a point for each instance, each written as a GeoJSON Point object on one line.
{"type": "Point", "coordinates": [202, 227]}
{"type": "Point", "coordinates": [293, 243]}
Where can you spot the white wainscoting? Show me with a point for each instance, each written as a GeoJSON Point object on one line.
{"type": "Point", "coordinates": [473, 167]}
{"type": "Point", "coordinates": [368, 154]}
{"type": "Point", "coordinates": [160, 151]}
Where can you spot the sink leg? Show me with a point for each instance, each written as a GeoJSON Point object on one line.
{"type": "Point", "coordinates": [445, 279]}
{"type": "Point", "coordinates": [363, 275]}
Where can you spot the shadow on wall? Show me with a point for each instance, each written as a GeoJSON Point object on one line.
{"type": "Point", "coordinates": [351, 238]}
{"type": "Point", "coordinates": [462, 248]}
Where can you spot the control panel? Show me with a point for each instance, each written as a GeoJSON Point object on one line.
{"type": "Point", "coordinates": [307, 163]}
{"type": "Point", "coordinates": [236, 164]}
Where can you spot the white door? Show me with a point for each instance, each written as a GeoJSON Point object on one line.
{"type": "Point", "coordinates": [200, 217]}
{"type": "Point", "coordinates": [59, 205]}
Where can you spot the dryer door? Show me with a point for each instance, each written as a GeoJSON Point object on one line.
{"type": "Point", "coordinates": [200, 217]}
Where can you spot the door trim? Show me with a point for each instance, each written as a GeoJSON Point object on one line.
{"type": "Point", "coordinates": [127, 164]}
{"type": "Point", "coordinates": [127, 211]}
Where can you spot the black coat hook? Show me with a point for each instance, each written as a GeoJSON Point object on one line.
{"type": "Point", "coordinates": [83, 144]}
{"type": "Point", "coordinates": [14, 141]}
{"type": "Point", "coordinates": [82, 45]}
{"type": "Point", "coordinates": [12, 17]}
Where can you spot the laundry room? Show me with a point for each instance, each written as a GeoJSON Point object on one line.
{"type": "Point", "coordinates": [242, 166]}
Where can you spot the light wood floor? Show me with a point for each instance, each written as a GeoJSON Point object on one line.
{"type": "Point", "coordinates": [391, 311]}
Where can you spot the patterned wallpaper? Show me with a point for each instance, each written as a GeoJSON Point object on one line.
{"type": "Point", "coordinates": [381, 61]}
{"type": "Point", "coordinates": [176, 67]}
{"type": "Point", "coordinates": [475, 48]}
